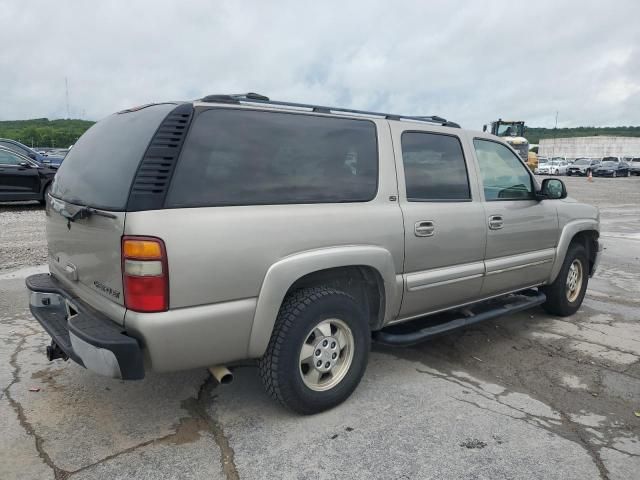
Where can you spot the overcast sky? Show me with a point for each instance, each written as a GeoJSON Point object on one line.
{"type": "Point", "coordinates": [470, 62]}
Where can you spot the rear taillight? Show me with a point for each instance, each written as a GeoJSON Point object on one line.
{"type": "Point", "coordinates": [145, 274]}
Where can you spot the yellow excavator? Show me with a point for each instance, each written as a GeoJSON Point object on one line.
{"type": "Point", "coordinates": [513, 133]}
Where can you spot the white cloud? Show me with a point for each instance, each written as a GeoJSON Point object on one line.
{"type": "Point", "coordinates": [468, 61]}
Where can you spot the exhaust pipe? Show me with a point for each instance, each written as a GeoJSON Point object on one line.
{"type": "Point", "coordinates": [221, 374]}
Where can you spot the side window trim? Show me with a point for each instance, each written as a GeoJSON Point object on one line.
{"type": "Point", "coordinates": [532, 179]}
{"type": "Point", "coordinates": [466, 169]}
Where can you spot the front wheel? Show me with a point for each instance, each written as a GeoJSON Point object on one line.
{"type": "Point", "coordinates": [628, 173]}
{"type": "Point", "coordinates": [614, 174]}
{"type": "Point", "coordinates": [318, 350]}
{"type": "Point", "coordinates": [565, 294]}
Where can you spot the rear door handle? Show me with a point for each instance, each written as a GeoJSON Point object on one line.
{"type": "Point", "coordinates": [496, 222]}
{"type": "Point", "coordinates": [424, 228]}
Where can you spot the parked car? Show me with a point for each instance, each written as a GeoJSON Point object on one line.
{"type": "Point", "coordinates": [611, 168]}
{"type": "Point", "coordinates": [281, 232]}
{"type": "Point", "coordinates": [22, 178]}
{"type": "Point", "coordinates": [634, 166]}
{"type": "Point", "coordinates": [583, 166]}
{"type": "Point", "coordinates": [18, 147]}
{"type": "Point", "coordinates": [541, 161]}
{"type": "Point", "coordinates": [553, 167]}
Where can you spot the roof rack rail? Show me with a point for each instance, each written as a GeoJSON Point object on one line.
{"type": "Point", "coordinates": [251, 97]}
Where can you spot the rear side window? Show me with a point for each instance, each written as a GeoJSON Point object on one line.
{"type": "Point", "coordinates": [100, 167]}
{"type": "Point", "coordinates": [434, 167]}
{"type": "Point", "coordinates": [245, 157]}
{"type": "Point", "coordinates": [8, 158]}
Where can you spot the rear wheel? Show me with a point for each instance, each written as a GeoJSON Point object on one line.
{"type": "Point", "coordinates": [557, 172]}
{"type": "Point", "coordinates": [565, 294]}
{"type": "Point", "coordinates": [318, 350]}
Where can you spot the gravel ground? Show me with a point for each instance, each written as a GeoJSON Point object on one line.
{"type": "Point", "coordinates": [22, 235]}
{"type": "Point", "coordinates": [524, 396]}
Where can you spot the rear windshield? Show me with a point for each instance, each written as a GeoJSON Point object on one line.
{"type": "Point", "coordinates": [100, 167]}
{"type": "Point", "coordinates": [246, 157]}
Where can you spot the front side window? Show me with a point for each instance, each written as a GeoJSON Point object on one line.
{"type": "Point", "coordinates": [434, 168]}
{"type": "Point", "coordinates": [504, 177]}
{"type": "Point", "coordinates": [246, 157]}
{"type": "Point", "coordinates": [8, 158]}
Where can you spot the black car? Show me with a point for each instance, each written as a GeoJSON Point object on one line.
{"type": "Point", "coordinates": [582, 166]}
{"type": "Point", "coordinates": [22, 178]}
{"type": "Point", "coordinates": [612, 169]}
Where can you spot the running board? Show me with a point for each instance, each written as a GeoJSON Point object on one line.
{"type": "Point", "coordinates": [394, 335]}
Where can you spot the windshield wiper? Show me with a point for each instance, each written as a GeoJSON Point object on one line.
{"type": "Point", "coordinates": [82, 212]}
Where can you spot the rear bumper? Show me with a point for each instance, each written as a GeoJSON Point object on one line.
{"type": "Point", "coordinates": [82, 333]}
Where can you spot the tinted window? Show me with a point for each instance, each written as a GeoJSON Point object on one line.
{"type": "Point", "coordinates": [244, 157]}
{"type": "Point", "coordinates": [504, 177]}
{"type": "Point", "coordinates": [8, 158]}
{"type": "Point", "coordinates": [100, 167]}
{"type": "Point", "coordinates": [14, 147]}
{"type": "Point", "coordinates": [434, 167]}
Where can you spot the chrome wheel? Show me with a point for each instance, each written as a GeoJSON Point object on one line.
{"type": "Point", "coordinates": [326, 354]}
{"type": "Point", "coordinates": [574, 280]}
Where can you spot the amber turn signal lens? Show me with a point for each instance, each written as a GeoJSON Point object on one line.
{"type": "Point", "coordinates": [141, 249]}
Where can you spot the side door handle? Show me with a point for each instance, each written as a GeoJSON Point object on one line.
{"type": "Point", "coordinates": [495, 222]}
{"type": "Point", "coordinates": [424, 228]}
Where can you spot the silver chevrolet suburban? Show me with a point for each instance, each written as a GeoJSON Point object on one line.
{"type": "Point", "coordinates": [202, 234]}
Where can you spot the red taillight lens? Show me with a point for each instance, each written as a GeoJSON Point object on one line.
{"type": "Point", "coordinates": [145, 274]}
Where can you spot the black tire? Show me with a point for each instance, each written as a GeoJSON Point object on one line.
{"type": "Point", "coordinates": [47, 189]}
{"type": "Point", "coordinates": [569, 173]}
{"type": "Point", "coordinates": [557, 302]}
{"type": "Point", "coordinates": [280, 366]}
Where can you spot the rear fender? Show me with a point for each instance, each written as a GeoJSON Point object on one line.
{"type": "Point", "coordinates": [283, 274]}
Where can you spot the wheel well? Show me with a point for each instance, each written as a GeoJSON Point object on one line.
{"type": "Point", "coordinates": [362, 282]}
{"type": "Point", "coordinates": [589, 240]}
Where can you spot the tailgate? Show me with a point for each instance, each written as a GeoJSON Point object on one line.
{"type": "Point", "coordinates": [84, 254]}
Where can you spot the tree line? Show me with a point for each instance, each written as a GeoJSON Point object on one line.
{"type": "Point", "coordinates": [42, 132]}
{"type": "Point", "coordinates": [535, 134]}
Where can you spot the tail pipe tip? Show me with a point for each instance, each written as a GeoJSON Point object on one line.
{"type": "Point", "coordinates": [222, 374]}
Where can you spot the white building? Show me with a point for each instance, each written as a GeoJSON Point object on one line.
{"type": "Point", "coordinates": [601, 146]}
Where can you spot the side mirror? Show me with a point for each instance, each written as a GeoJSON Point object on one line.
{"type": "Point", "coordinates": [552, 189]}
{"type": "Point", "coordinates": [484, 128]}
{"type": "Point", "coordinates": [32, 155]}
{"type": "Point", "coordinates": [25, 164]}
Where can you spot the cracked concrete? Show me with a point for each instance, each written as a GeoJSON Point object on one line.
{"type": "Point", "coordinates": [526, 396]}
